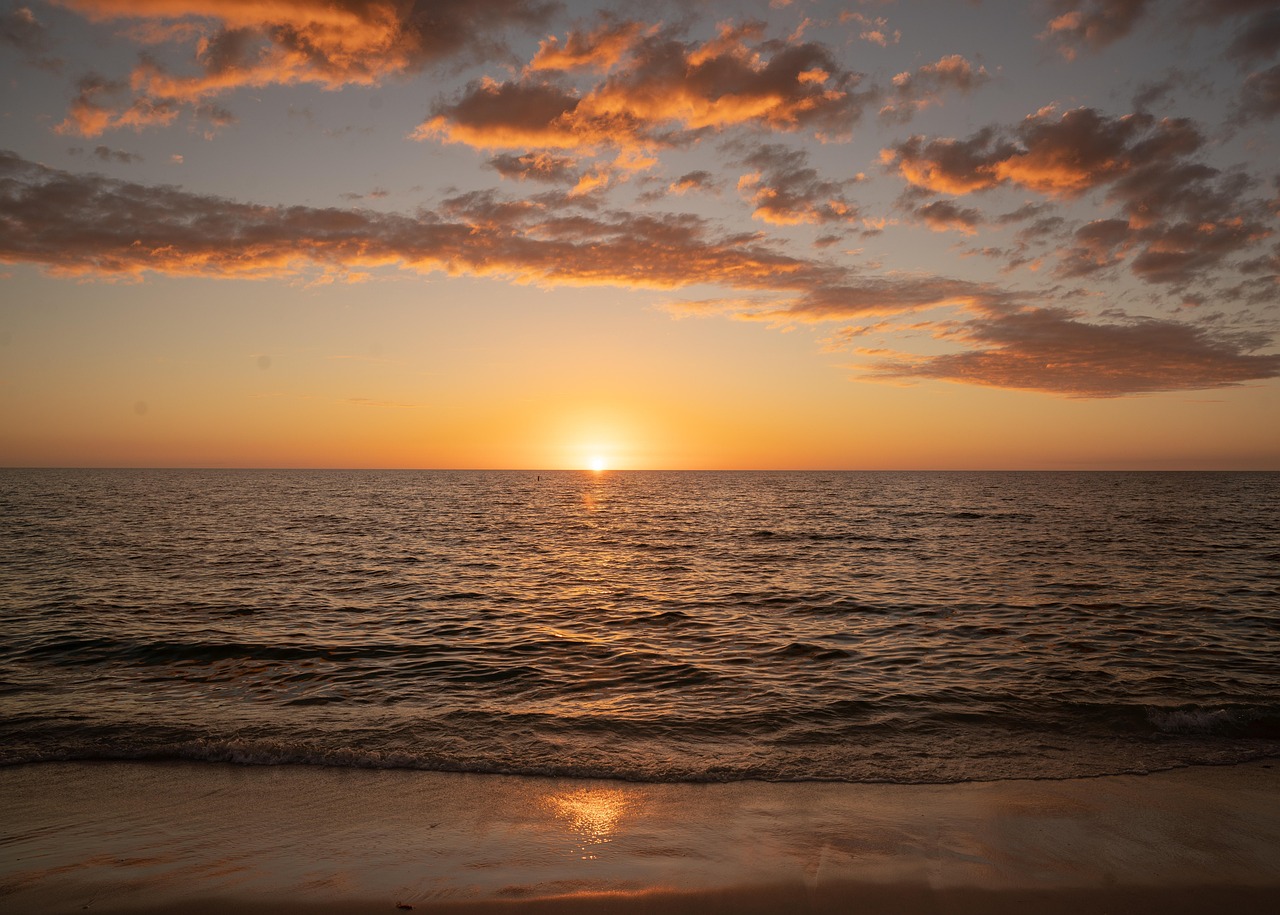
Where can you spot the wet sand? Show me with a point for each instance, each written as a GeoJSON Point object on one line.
{"type": "Point", "coordinates": [204, 838]}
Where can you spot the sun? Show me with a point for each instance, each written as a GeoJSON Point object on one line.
{"type": "Point", "coordinates": [596, 463]}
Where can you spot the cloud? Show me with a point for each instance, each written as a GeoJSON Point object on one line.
{"type": "Point", "coordinates": [538, 166]}
{"type": "Point", "coordinates": [1258, 39]}
{"type": "Point", "coordinates": [857, 297]}
{"type": "Point", "coordinates": [1051, 350]}
{"type": "Point", "coordinates": [1084, 149]}
{"type": "Point", "coordinates": [331, 43]}
{"type": "Point", "coordinates": [913, 92]}
{"type": "Point", "coordinates": [1091, 24]}
{"type": "Point", "coordinates": [602, 48]}
{"type": "Point", "coordinates": [1097, 246]}
{"type": "Point", "coordinates": [726, 81]}
{"type": "Point", "coordinates": [699, 180]}
{"type": "Point", "coordinates": [93, 226]}
{"type": "Point", "coordinates": [378, 193]}
{"type": "Point", "coordinates": [1184, 251]}
{"type": "Point", "coordinates": [20, 29]}
{"type": "Point", "coordinates": [1188, 218]}
{"type": "Point", "coordinates": [945, 216]}
{"type": "Point", "coordinates": [950, 166]}
{"type": "Point", "coordinates": [1179, 218]}
{"type": "Point", "coordinates": [1059, 156]}
{"type": "Point", "coordinates": [1259, 97]}
{"type": "Point", "coordinates": [516, 115]}
{"type": "Point", "coordinates": [95, 109]}
{"type": "Point", "coordinates": [785, 191]}
{"type": "Point", "coordinates": [88, 225]}
{"type": "Point", "coordinates": [107, 154]}
{"type": "Point", "coordinates": [873, 29]}
{"type": "Point", "coordinates": [668, 89]}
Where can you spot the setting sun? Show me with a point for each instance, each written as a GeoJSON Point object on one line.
{"type": "Point", "coordinates": [596, 463]}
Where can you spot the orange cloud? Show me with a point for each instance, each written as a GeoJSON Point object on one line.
{"type": "Point", "coordinates": [949, 166]}
{"type": "Point", "coordinates": [726, 82]}
{"type": "Point", "coordinates": [89, 225]}
{"type": "Point", "coordinates": [873, 29]}
{"type": "Point", "coordinates": [692, 181]}
{"type": "Point", "coordinates": [94, 226]}
{"type": "Point", "coordinates": [1179, 220]}
{"type": "Point", "coordinates": [668, 87]}
{"type": "Point", "coordinates": [600, 49]}
{"type": "Point", "coordinates": [331, 43]}
{"type": "Point", "coordinates": [95, 110]}
{"type": "Point", "coordinates": [1057, 156]}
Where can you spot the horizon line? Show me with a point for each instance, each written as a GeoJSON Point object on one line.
{"type": "Point", "coordinates": [1082, 468]}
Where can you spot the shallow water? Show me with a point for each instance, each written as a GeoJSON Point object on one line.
{"type": "Point", "coordinates": [912, 627]}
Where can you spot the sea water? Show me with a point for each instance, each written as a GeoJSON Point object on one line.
{"type": "Point", "coordinates": [683, 626]}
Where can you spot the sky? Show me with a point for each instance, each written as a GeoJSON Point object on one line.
{"type": "Point", "coordinates": [701, 235]}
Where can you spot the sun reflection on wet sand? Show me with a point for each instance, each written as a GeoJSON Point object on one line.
{"type": "Point", "coordinates": [592, 814]}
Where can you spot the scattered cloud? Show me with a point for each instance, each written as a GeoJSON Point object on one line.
{"type": "Point", "coordinates": [535, 166]}
{"type": "Point", "coordinates": [699, 180]}
{"type": "Point", "coordinates": [858, 297]}
{"type": "Point", "coordinates": [1091, 24]}
{"type": "Point", "coordinates": [913, 92]}
{"type": "Point", "coordinates": [785, 191]}
{"type": "Point", "coordinates": [1259, 97]}
{"type": "Point", "coordinates": [20, 29]}
{"type": "Point", "coordinates": [93, 226]}
{"type": "Point", "coordinates": [667, 90]}
{"type": "Point", "coordinates": [89, 225]}
{"type": "Point", "coordinates": [1060, 156]}
{"type": "Point", "coordinates": [946, 216]}
{"type": "Point", "coordinates": [874, 29]}
{"type": "Point", "coordinates": [1258, 39]}
{"type": "Point", "coordinates": [378, 193]}
{"type": "Point", "coordinates": [601, 48]}
{"type": "Point", "coordinates": [98, 107]}
{"type": "Point", "coordinates": [516, 115]}
{"type": "Point", "coordinates": [1051, 350]}
{"type": "Point", "coordinates": [1180, 217]}
{"type": "Point", "coordinates": [1095, 247]}
{"type": "Point", "coordinates": [238, 43]}
{"type": "Point", "coordinates": [107, 154]}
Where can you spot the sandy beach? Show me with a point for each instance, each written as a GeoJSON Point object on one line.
{"type": "Point", "coordinates": [203, 838]}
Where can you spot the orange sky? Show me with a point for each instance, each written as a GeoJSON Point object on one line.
{"type": "Point", "coordinates": [505, 233]}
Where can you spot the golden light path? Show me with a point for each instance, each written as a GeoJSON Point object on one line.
{"type": "Point", "coordinates": [591, 814]}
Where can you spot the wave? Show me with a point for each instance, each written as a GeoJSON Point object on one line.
{"type": "Point", "coordinates": [849, 741]}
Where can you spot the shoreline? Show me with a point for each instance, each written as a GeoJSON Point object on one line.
{"type": "Point", "coordinates": [131, 838]}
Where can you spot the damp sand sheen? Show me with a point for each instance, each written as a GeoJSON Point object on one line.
{"type": "Point", "coordinates": [202, 838]}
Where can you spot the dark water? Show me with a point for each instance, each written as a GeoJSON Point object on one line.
{"type": "Point", "coordinates": [909, 627]}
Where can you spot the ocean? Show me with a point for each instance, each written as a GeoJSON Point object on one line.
{"type": "Point", "coordinates": [648, 626]}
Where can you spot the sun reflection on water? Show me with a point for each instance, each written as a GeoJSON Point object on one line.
{"type": "Point", "coordinates": [592, 814]}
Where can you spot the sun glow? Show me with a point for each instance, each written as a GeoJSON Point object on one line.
{"type": "Point", "coordinates": [596, 463]}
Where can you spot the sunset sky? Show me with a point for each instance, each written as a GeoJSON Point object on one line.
{"type": "Point", "coordinates": [527, 234]}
